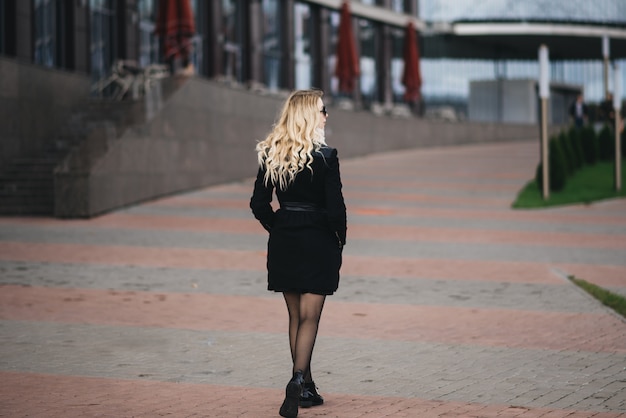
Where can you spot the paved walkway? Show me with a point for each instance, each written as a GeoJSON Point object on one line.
{"type": "Point", "coordinates": [450, 304]}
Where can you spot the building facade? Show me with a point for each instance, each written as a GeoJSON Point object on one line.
{"type": "Point", "coordinates": [287, 44]}
{"type": "Point", "coordinates": [54, 52]}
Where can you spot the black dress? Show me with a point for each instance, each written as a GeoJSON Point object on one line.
{"type": "Point", "coordinates": [308, 232]}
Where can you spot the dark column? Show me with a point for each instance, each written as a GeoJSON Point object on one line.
{"type": "Point", "coordinates": [213, 39]}
{"type": "Point", "coordinates": [357, 96]}
{"type": "Point", "coordinates": [9, 27]}
{"type": "Point", "coordinates": [79, 37]}
{"type": "Point", "coordinates": [243, 37]}
{"type": "Point", "coordinates": [127, 22]}
{"type": "Point", "coordinates": [255, 42]}
{"type": "Point", "coordinates": [287, 41]}
{"type": "Point", "coordinates": [320, 47]}
{"type": "Point", "coordinates": [66, 39]}
{"type": "Point", "coordinates": [24, 30]}
{"type": "Point", "coordinates": [383, 65]}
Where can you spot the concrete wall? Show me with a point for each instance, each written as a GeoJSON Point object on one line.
{"type": "Point", "coordinates": [516, 101]}
{"type": "Point", "coordinates": [510, 101]}
{"type": "Point", "coordinates": [34, 103]}
{"type": "Point", "coordinates": [205, 134]}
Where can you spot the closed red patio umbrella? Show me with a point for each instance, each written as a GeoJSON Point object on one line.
{"type": "Point", "coordinates": [411, 78]}
{"type": "Point", "coordinates": [175, 26]}
{"type": "Point", "coordinates": [347, 68]}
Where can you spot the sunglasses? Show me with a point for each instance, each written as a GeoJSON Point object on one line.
{"type": "Point", "coordinates": [323, 111]}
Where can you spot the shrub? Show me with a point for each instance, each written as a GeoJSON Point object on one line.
{"type": "Point", "coordinates": [581, 148]}
{"type": "Point", "coordinates": [558, 166]}
{"type": "Point", "coordinates": [606, 144]}
{"type": "Point", "coordinates": [568, 153]}
{"type": "Point", "coordinates": [588, 141]}
{"type": "Point", "coordinates": [576, 146]}
{"type": "Point", "coordinates": [539, 176]}
{"type": "Point", "coordinates": [557, 170]}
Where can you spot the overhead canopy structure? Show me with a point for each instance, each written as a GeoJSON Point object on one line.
{"type": "Point", "coordinates": [521, 40]}
{"type": "Point", "coordinates": [514, 38]}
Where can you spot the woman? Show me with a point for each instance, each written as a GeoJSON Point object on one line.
{"type": "Point", "coordinates": [307, 233]}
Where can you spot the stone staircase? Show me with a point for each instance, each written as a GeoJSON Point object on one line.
{"type": "Point", "coordinates": [27, 186]}
{"type": "Point", "coordinates": [27, 183]}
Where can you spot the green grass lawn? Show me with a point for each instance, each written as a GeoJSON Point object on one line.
{"type": "Point", "coordinates": [588, 184]}
{"type": "Point", "coordinates": [612, 300]}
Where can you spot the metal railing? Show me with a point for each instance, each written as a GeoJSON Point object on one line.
{"type": "Point", "coordinates": [128, 80]}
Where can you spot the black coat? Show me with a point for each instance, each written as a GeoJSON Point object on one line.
{"type": "Point", "coordinates": [308, 232]}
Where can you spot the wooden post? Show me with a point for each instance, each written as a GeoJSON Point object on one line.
{"type": "Point", "coordinates": [605, 64]}
{"type": "Point", "coordinates": [544, 150]}
{"type": "Point", "coordinates": [617, 107]}
{"type": "Point", "coordinates": [544, 94]}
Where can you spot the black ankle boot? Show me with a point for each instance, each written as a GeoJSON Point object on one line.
{"type": "Point", "coordinates": [289, 408]}
{"type": "Point", "coordinates": [310, 397]}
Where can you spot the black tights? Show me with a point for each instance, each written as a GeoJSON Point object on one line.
{"type": "Point", "coordinates": [305, 311]}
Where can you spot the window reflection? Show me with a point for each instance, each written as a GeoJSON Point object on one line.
{"type": "Point", "coordinates": [398, 6]}
{"type": "Point", "coordinates": [302, 53]}
{"type": "Point", "coordinates": [367, 35]}
{"type": "Point", "coordinates": [148, 41]}
{"type": "Point", "coordinates": [45, 29]}
{"type": "Point", "coordinates": [332, 52]}
{"type": "Point", "coordinates": [102, 37]}
{"type": "Point", "coordinates": [230, 41]}
{"type": "Point", "coordinates": [397, 64]}
{"type": "Point", "coordinates": [271, 44]}
{"type": "Point", "coordinates": [199, 9]}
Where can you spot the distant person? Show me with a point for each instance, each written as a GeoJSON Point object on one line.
{"type": "Point", "coordinates": [307, 233]}
{"type": "Point", "coordinates": [579, 112]}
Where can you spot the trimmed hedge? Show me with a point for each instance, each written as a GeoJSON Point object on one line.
{"type": "Point", "coordinates": [571, 149]}
{"type": "Point", "coordinates": [558, 167]}
{"type": "Point", "coordinates": [568, 153]}
{"type": "Point", "coordinates": [589, 144]}
{"type": "Point", "coordinates": [606, 144]}
{"type": "Point", "coordinates": [576, 146]}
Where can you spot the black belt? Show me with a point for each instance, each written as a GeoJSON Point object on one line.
{"type": "Point", "coordinates": [301, 207]}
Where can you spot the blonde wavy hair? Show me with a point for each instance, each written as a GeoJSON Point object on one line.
{"type": "Point", "coordinates": [288, 148]}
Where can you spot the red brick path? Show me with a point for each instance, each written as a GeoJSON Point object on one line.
{"type": "Point", "coordinates": [456, 198]}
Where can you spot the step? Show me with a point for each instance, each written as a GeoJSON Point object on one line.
{"type": "Point", "coordinates": [14, 185]}
{"type": "Point", "coordinates": [25, 210]}
{"type": "Point", "coordinates": [25, 176]}
{"type": "Point", "coordinates": [26, 198]}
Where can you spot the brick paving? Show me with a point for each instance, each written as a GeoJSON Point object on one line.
{"type": "Point", "coordinates": [451, 304]}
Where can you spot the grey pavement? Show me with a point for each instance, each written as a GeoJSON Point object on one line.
{"type": "Point", "coordinates": [512, 375]}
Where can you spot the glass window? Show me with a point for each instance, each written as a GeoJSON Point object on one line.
{"type": "Point", "coordinates": [397, 64]}
{"type": "Point", "coordinates": [102, 37]}
{"type": "Point", "coordinates": [565, 10]}
{"type": "Point", "coordinates": [271, 44]}
{"type": "Point", "coordinates": [45, 32]}
{"type": "Point", "coordinates": [302, 39]}
{"type": "Point", "coordinates": [232, 67]}
{"type": "Point", "coordinates": [198, 7]}
{"type": "Point", "coordinates": [367, 38]}
{"type": "Point", "coordinates": [398, 6]}
{"type": "Point", "coordinates": [49, 30]}
{"type": "Point", "coordinates": [148, 41]}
